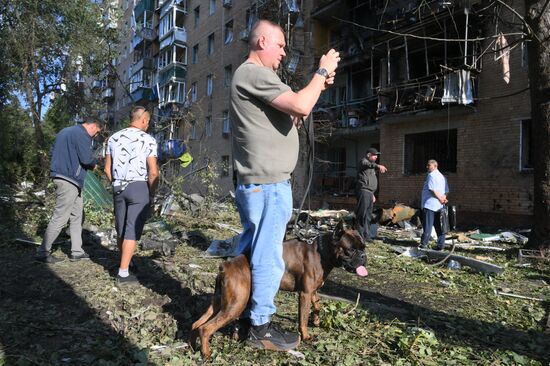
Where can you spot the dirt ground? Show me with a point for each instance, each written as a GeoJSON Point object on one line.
{"type": "Point", "coordinates": [404, 313]}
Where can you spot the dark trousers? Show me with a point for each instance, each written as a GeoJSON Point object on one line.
{"type": "Point", "coordinates": [363, 213]}
{"type": "Point", "coordinates": [431, 219]}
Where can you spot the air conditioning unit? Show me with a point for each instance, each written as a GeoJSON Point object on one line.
{"type": "Point", "coordinates": [227, 3]}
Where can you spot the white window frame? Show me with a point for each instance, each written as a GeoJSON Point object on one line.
{"type": "Point", "coordinates": [168, 22]}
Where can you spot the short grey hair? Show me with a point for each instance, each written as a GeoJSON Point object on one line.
{"type": "Point", "coordinates": [432, 161]}
{"type": "Point", "coordinates": [137, 112]}
{"type": "Point", "coordinates": [255, 34]}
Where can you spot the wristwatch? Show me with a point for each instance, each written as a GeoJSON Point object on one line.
{"type": "Point", "coordinates": [323, 72]}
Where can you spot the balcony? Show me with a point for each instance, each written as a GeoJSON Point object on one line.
{"type": "Point", "coordinates": [144, 63]}
{"type": "Point", "coordinates": [145, 33]}
{"type": "Point", "coordinates": [142, 6]}
{"type": "Point", "coordinates": [176, 35]}
{"type": "Point", "coordinates": [227, 3]}
{"type": "Point", "coordinates": [172, 72]}
{"type": "Point", "coordinates": [142, 93]}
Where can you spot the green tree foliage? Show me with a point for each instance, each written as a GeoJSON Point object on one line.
{"type": "Point", "coordinates": [47, 45]}
{"type": "Point", "coordinates": [16, 147]}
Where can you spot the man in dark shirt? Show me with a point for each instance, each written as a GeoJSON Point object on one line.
{"type": "Point", "coordinates": [71, 157]}
{"type": "Point", "coordinates": [367, 183]}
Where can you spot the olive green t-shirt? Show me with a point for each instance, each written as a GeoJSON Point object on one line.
{"type": "Point", "coordinates": [265, 141]}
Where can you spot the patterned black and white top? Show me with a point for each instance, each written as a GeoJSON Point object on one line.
{"type": "Point", "coordinates": [129, 149]}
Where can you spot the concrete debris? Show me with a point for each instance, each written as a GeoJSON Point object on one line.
{"type": "Point", "coordinates": [478, 265]}
{"type": "Point", "coordinates": [167, 247]}
{"type": "Point", "coordinates": [505, 237]}
{"type": "Point", "coordinates": [453, 264]}
{"type": "Point", "coordinates": [529, 254]}
{"type": "Point", "coordinates": [398, 213]}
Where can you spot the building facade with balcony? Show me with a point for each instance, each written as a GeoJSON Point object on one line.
{"type": "Point", "coordinates": [422, 80]}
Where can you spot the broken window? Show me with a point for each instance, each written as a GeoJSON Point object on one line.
{"type": "Point", "coordinates": [361, 85]}
{"type": "Point", "coordinates": [438, 145]}
{"type": "Point", "coordinates": [211, 44]}
{"type": "Point", "coordinates": [228, 32]}
{"type": "Point", "coordinates": [195, 56]}
{"type": "Point", "coordinates": [196, 16]}
{"type": "Point", "coordinates": [526, 145]}
{"type": "Point", "coordinates": [209, 85]}
{"type": "Point", "coordinates": [227, 76]}
{"type": "Point", "coordinates": [212, 7]}
{"type": "Point", "coordinates": [226, 123]}
{"type": "Point", "coordinates": [194, 92]}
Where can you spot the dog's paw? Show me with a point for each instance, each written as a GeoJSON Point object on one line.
{"type": "Point", "coordinates": [308, 338]}
{"type": "Point", "coordinates": [316, 322]}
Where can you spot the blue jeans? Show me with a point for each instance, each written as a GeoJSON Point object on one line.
{"type": "Point", "coordinates": [265, 210]}
{"type": "Point", "coordinates": [431, 219]}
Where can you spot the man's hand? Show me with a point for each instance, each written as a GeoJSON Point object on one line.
{"type": "Point", "coordinates": [382, 168]}
{"type": "Point", "coordinates": [443, 199]}
{"type": "Point", "coordinates": [373, 199]}
{"type": "Point", "coordinates": [329, 62]}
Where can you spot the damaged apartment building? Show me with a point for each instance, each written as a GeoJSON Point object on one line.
{"type": "Point", "coordinates": [419, 80]}
{"type": "Point", "coordinates": [177, 58]}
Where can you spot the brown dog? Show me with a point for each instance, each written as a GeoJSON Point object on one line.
{"type": "Point", "coordinates": [306, 268]}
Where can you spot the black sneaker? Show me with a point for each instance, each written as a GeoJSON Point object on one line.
{"type": "Point", "coordinates": [129, 280]}
{"type": "Point", "coordinates": [50, 259]}
{"type": "Point", "coordinates": [268, 336]}
{"type": "Point", "coordinates": [79, 257]}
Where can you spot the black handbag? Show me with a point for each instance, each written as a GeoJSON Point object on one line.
{"type": "Point", "coordinates": [444, 220]}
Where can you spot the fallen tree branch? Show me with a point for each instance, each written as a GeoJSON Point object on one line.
{"type": "Point", "coordinates": [356, 304]}
{"type": "Point", "coordinates": [518, 296]}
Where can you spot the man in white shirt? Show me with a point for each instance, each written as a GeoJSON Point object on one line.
{"type": "Point", "coordinates": [434, 196]}
{"type": "Point", "coordinates": [131, 167]}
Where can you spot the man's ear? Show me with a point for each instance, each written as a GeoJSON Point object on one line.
{"type": "Point", "coordinates": [262, 42]}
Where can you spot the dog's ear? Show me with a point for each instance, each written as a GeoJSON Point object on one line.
{"type": "Point", "coordinates": [338, 231]}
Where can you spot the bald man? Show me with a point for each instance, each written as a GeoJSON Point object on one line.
{"type": "Point", "coordinates": [265, 114]}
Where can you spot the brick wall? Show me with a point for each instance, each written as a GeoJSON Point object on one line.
{"type": "Point", "coordinates": [488, 186]}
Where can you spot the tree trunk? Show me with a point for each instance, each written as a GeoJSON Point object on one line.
{"type": "Point", "coordinates": [538, 17]}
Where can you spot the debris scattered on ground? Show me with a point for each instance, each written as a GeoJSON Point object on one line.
{"type": "Point", "coordinates": [529, 254]}
{"type": "Point", "coordinates": [227, 227]}
{"type": "Point", "coordinates": [502, 293]}
{"type": "Point", "coordinates": [439, 255]}
{"type": "Point", "coordinates": [224, 248]}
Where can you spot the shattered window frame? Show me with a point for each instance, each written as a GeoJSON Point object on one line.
{"type": "Point", "coordinates": [440, 145]}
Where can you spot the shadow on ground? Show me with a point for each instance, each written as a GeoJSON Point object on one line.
{"type": "Point", "coordinates": [42, 319]}
{"type": "Point", "coordinates": [453, 329]}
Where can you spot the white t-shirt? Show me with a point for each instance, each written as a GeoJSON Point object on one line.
{"type": "Point", "coordinates": [129, 149]}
